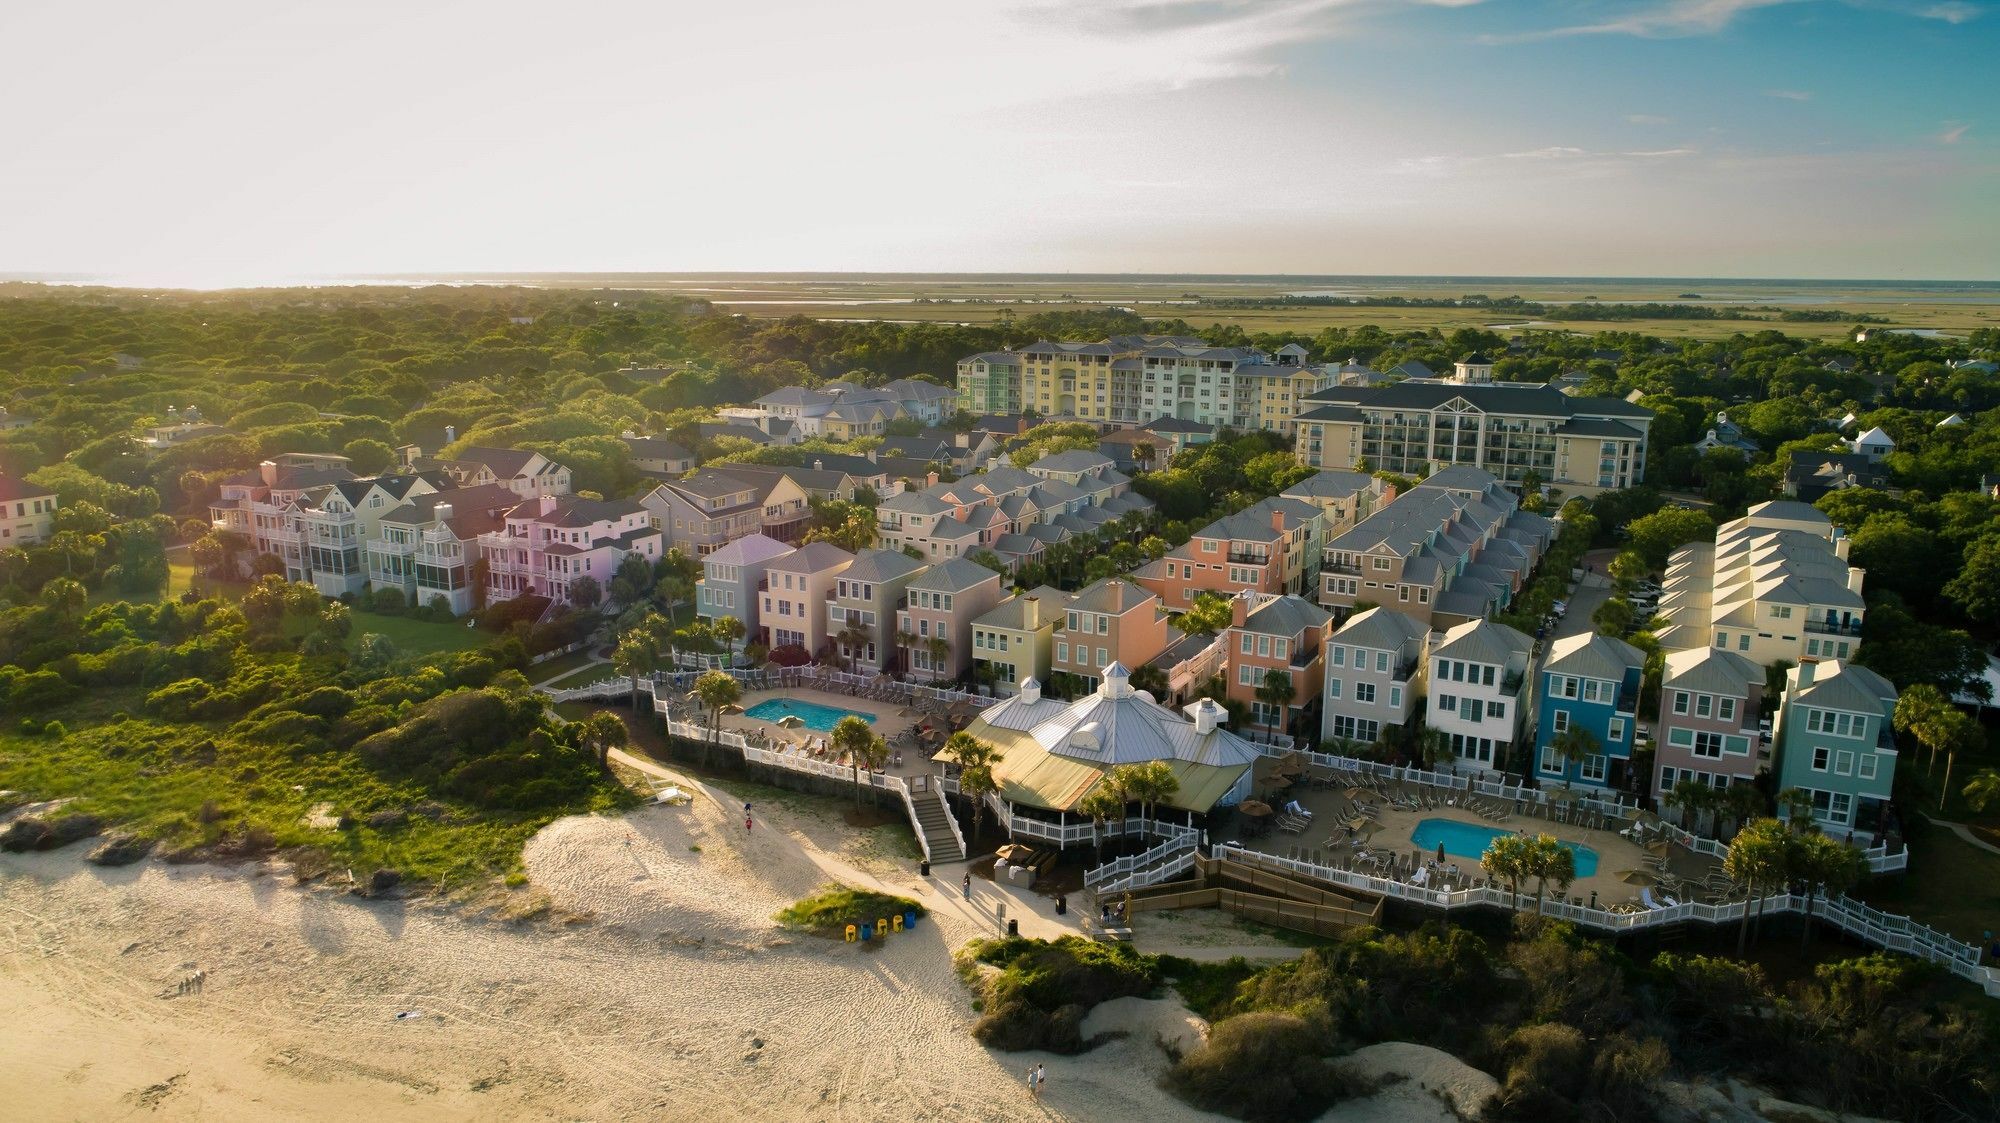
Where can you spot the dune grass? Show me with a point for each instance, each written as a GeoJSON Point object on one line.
{"type": "Point", "coordinates": [829, 911]}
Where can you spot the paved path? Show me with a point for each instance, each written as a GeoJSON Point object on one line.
{"type": "Point", "coordinates": [1594, 590]}
{"type": "Point", "coordinates": [1964, 832]}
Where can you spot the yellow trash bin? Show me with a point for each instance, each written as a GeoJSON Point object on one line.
{"type": "Point", "coordinates": [896, 922]}
{"type": "Point", "coordinates": [882, 925]}
{"type": "Point", "coordinates": [852, 933]}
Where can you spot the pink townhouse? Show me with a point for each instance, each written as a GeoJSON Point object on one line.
{"type": "Point", "coordinates": [795, 593]}
{"type": "Point", "coordinates": [934, 626]}
{"type": "Point", "coordinates": [550, 543]}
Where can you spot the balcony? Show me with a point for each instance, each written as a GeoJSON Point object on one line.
{"type": "Point", "coordinates": [1239, 557]}
{"type": "Point", "coordinates": [1510, 683]}
{"type": "Point", "coordinates": [1341, 568]}
{"type": "Point", "coordinates": [1405, 669]}
{"type": "Point", "coordinates": [1834, 628]}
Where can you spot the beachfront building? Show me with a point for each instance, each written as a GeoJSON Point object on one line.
{"type": "Point", "coordinates": [861, 615]}
{"type": "Point", "coordinates": [1374, 676]}
{"type": "Point", "coordinates": [1479, 691]}
{"type": "Point", "coordinates": [549, 543]}
{"type": "Point", "coordinates": [731, 577]}
{"type": "Point", "coordinates": [1835, 737]}
{"type": "Point", "coordinates": [27, 512]}
{"type": "Point", "coordinates": [336, 522]}
{"type": "Point", "coordinates": [1013, 641]}
{"type": "Point", "coordinates": [1053, 498]}
{"type": "Point", "coordinates": [426, 546]}
{"type": "Point", "coordinates": [1052, 753]}
{"type": "Point", "coordinates": [1582, 445]}
{"type": "Point", "coordinates": [1131, 379]}
{"type": "Point", "coordinates": [1811, 475]}
{"type": "Point", "coordinates": [793, 596]}
{"type": "Point", "coordinates": [1112, 621]}
{"type": "Point", "coordinates": [1457, 547]}
{"type": "Point", "coordinates": [1774, 585]}
{"type": "Point", "coordinates": [1284, 636]}
{"type": "Point", "coordinates": [1709, 705]}
{"type": "Point", "coordinates": [258, 505]}
{"type": "Point", "coordinates": [1344, 498]}
{"type": "Point", "coordinates": [710, 509]}
{"type": "Point", "coordinates": [1590, 683]}
{"type": "Point", "coordinates": [659, 456]}
{"type": "Point", "coordinates": [1271, 546]}
{"type": "Point", "coordinates": [934, 627]}
{"type": "Point", "coordinates": [529, 475]}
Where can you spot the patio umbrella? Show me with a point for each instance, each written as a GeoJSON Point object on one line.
{"type": "Point", "coordinates": [1254, 808]}
{"type": "Point", "coordinates": [1440, 853]}
{"type": "Point", "coordinates": [791, 721]}
{"type": "Point", "coordinates": [1637, 877]}
{"type": "Point", "coordinates": [1012, 852]}
{"type": "Point", "coordinates": [1363, 822]}
{"type": "Point", "coordinates": [1659, 849]}
{"type": "Point", "coordinates": [1565, 794]}
{"type": "Point", "coordinates": [732, 708]}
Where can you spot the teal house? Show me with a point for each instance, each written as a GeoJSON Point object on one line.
{"type": "Point", "coordinates": [1836, 740]}
{"type": "Point", "coordinates": [1589, 682]}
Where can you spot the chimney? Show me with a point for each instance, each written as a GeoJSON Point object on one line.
{"type": "Point", "coordinates": [1205, 714]}
{"type": "Point", "coordinates": [1278, 521]}
{"type": "Point", "coordinates": [1032, 614]}
{"type": "Point", "coordinates": [269, 471]}
{"type": "Point", "coordinates": [450, 433]}
{"type": "Point", "coordinates": [442, 512]}
{"type": "Point", "coordinates": [1841, 544]}
{"type": "Point", "coordinates": [930, 479]}
{"type": "Point", "coordinates": [1802, 675]}
{"type": "Point", "coordinates": [1854, 578]}
{"type": "Point", "coordinates": [1239, 608]}
{"type": "Point", "coordinates": [1031, 690]}
{"type": "Point", "coordinates": [871, 456]}
{"type": "Point", "coordinates": [819, 465]}
{"type": "Point", "coordinates": [545, 504]}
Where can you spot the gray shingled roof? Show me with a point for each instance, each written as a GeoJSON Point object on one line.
{"type": "Point", "coordinates": [882, 565]}
{"type": "Point", "coordinates": [1483, 641]}
{"type": "Point", "coordinates": [1285, 616]}
{"type": "Point", "coordinates": [953, 576]}
{"type": "Point", "coordinates": [1593, 656]}
{"type": "Point", "coordinates": [1380, 629]}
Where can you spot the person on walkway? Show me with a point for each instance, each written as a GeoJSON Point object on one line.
{"type": "Point", "coordinates": [1033, 1088]}
{"type": "Point", "coordinates": [1041, 1079]}
{"type": "Point", "coordinates": [746, 822]}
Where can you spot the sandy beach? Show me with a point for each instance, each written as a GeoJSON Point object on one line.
{"type": "Point", "coordinates": [655, 986]}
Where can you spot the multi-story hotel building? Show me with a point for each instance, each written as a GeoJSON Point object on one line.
{"type": "Point", "coordinates": [1415, 427]}
{"type": "Point", "coordinates": [1774, 585]}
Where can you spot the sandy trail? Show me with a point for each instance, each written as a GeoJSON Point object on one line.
{"type": "Point", "coordinates": [678, 997]}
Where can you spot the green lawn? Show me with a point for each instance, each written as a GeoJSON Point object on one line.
{"type": "Point", "coordinates": [1951, 885]}
{"type": "Point", "coordinates": [556, 668]}
{"type": "Point", "coordinates": [583, 677]}
{"type": "Point", "coordinates": [417, 637]}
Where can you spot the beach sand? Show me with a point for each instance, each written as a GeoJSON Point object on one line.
{"type": "Point", "coordinates": [654, 986]}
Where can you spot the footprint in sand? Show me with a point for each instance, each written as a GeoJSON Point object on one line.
{"type": "Point", "coordinates": [152, 1095]}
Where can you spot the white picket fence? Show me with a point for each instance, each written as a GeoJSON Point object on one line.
{"type": "Point", "coordinates": [1870, 925]}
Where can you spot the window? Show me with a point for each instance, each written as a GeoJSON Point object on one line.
{"type": "Point", "coordinates": [1062, 653]}
{"type": "Point", "coordinates": [1333, 688]}
{"type": "Point", "coordinates": [1592, 769]}
{"type": "Point", "coordinates": [1722, 639]}
{"type": "Point", "coordinates": [1103, 657]}
{"type": "Point", "coordinates": [1364, 692]}
{"type": "Point", "coordinates": [1104, 625]}
{"type": "Point", "coordinates": [1424, 595]}
{"type": "Point", "coordinates": [1704, 705]}
{"type": "Point", "coordinates": [1866, 771]}
{"type": "Point", "coordinates": [1551, 762]}
{"type": "Point", "coordinates": [1382, 662]}
{"type": "Point", "coordinates": [1680, 702]}
{"type": "Point", "coordinates": [1819, 759]}
{"type": "Point", "coordinates": [1337, 656]}
{"type": "Point", "coordinates": [1726, 709]}
{"type": "Point", "coordinates": [1263, 646]}
{"type": "Point", "coordinates": [1246, 643]}
{"type": "Point", "coordinates": [1707, 745]}
{"type": "Point", "coordinates": [1615, 732]}
{"type": "Point", "coordinates": [1380, 563]}
{"type": "Point", "coordinates": [1448, 703]}
{"type": "Point", "coordinates": [1781, 612]}
{"type": "Point", "coordinates": [1246, 675]}
{"type": "Point", "coordinates": [1559, 721]}
{"type": "Point", "coordinates": [1396, 697]}
{"type": "Point", "coordinates": [1496, 710]}
{"type": "Point", "coordinates": [1743, 642]}
{"type": "Point", "coordinates": [1843, 762]}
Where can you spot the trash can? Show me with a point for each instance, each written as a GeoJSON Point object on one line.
{"type": "Point", "coordinates": [909, 919]}
{"type": "Point", "coordinates": [1062, 904]}
{"type": "Point", "coordinates": [1013, 926]}
{"type": "Point", "coordinates": [867, 932]}
{"type": "Point", "coordinates": [924, 868]}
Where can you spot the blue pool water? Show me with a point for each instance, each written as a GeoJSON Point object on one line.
{"type": "Point", "coordinates": [1468, 841]}
{"type": "Point", "coordinates": [813, 714]}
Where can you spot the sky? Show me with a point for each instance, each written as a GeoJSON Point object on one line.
{"type": "Point", "coordinates": [212, 142]}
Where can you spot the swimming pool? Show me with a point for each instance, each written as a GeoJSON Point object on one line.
{"type": "Point", "coordinates": [1468, 841]}
{"type": "Point", "coordinates": [813, 714]}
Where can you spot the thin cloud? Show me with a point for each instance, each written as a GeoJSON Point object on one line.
{"type": "Point", "coordinates": [1952, 134]}
{"type": "Point", "coordinates": [1952, 12]}
{"type": "Point", "coordinates": [1680, 19]}
{"type": "Point", "coordinates": [1790, 95]}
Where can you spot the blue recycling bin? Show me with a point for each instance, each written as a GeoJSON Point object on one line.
{"type": "Point", "coordinates": [867, 931]}
{"type": "Point", "coordinates": [909, 919]}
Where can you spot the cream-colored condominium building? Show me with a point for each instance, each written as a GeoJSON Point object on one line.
{"type": "Point", "coordinates": [1774, 585]}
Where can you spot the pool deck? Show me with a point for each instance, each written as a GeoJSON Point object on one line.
{"type": "Point", "coordinates": [1331, 809]}
{"type": "Point", "coordinates": [892, 720]}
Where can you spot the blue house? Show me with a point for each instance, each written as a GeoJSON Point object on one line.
{"type": "Point", "coordinates": [1589, 682]}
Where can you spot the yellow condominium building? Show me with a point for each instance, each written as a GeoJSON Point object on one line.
{"type": "Point", "coordinates": [1774, 585]}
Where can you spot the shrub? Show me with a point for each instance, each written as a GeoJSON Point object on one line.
{"type": "Point", "coordinates": [1263, 1066]}
{"type": "Point", "coordinates": [1546, 1067]}
{"type": "Point", "coordinates": [829, 911]}
{"type": "Point", "coordinates": [1044, 990]}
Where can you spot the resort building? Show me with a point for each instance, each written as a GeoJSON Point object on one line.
{"type": "Point", "coordinates": [1012, 642]}
{"type": "Point", "coordinates": [711, 509]}
{"type": "Point", "coordinates": [1811, 475]}
{"type": "Point", "coordinates": [1272, 546]}
{"type": "Point", "coordinates": [1709, 705]}
{"type": "Point", "coordinates": [1374, 676]}
{"type": "Point", "coordinates": [1479, 691]}
{"type": "Point", "coordinates": [1180, 434]}
{"type": "Point", "coordinates": [336, 521]}
{"type": "Point", "coordinates": [1112, 621]}
{"type": "Point", "coordinates": [1052, 753]}
{"type": "Point", "coordinates": [1344, 498]}
{"type": "Point", "coordinates": [256, 505]}
{"type": "Point", "coordinates": [1131, 379]}
{"type": "Point", "coordinates": [935, 625]}
{"type": "Point", "coordinates": [549, 543]}
{"type": "Point", "coordinates": [426, 545]}
{"type": "Point", "coordinates": [529, 475]}
{"type": "Point", "coordinates": [659, 456]}
{"type": "Point", "coordinates": [793, 596]}
{"type": "Point", "coordinates": [1583, 445]}
{"type": "Point", "coordinates": [1057, 496]}
{"type": "Point", "coordinates": [1835, 737]}
{"type": "Point", "coordinates": [27, 512]}
{"type": "Point", "coordinates": [731, 577]}
{"type": "Point", "coordinates": [861, 614]}
{"type": "Point", "coordinates": [1284, 636]}
{"type": "Point", "coordinates": [1457, 547]}
{"type": "Point", "coordinates": [1589, 682]}
{"type": "Point", "coordinates": [1774, 585]}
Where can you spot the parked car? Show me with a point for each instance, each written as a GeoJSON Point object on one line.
{"type": "Point", "coordinates": [1559, 608]}
{"type": "Point", "coordinates": [1764, 731]}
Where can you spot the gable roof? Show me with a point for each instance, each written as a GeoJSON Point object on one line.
{"type": "Point", "coordinates": [953, 575]}
{"type": "Point", "coordinates": [1591, 655]}
{"type": "Point", "coordinates": [813, 557]}
{"type": "Point", "coordinates": [748, 550]}
{"type": "Point", "coordinates": [1483, 641]}
{"type": "Point", "coordinates": [12, 487]}
{"type": "Point", "coordinates": [881, 565]}
{"type": "Point", "coordinates": [1381, 629]}
{"type": "Point", "coordinates": [504, 463]}
{"type": "Point", "coordinates": [1284, 616]}
{"type": "Point", "coordinates": [1113, 595]}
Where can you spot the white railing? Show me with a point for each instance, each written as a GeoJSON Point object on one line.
{"type": "Point", "coordinates": [1885, 930]}
{"type": "Point", "coordinates": [952, 820]}
{"type": "Point", "coordinates": [1149, 867]}
{"type": "Point", "coordinates": [917, 824]}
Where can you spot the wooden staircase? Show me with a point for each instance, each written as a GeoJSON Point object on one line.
{"type": "Point", "coordinates": [933, 820]}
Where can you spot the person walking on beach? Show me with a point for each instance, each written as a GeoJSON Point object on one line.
{"type": "Point", "coordinates": [966, 886]}
{"type": "Point", "coordinates": [1041, 1079]}
{"type": "Point", "coordinates": [1033, 1090]}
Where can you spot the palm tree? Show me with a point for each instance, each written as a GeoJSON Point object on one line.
{"type": "Point", "coordinates": [637, 653]}
{"type": "Point", "coordinates": [856, 738]}
{"type": "Point", "coordinates": [1983, 790]}
{"type": "Point", "coordinates": [1506, 859]}
{"type": "Point", "coordinates": [1741, 802]}
{"type": "Point", "coordinates": [976, 781]}
{"type": "Point", "coordinates": [1757, 857]}
{"type": "Point", "coordinates": [1277, 692]}
{"type": "Point", "coordinates": [729, 630]}
{"type": "Point", "coordinates": [1101, 804]}
{"type": "Point", "coordinates": [716, 690]}
{"type": "Point", "coordinates": [1825, 865]}
{"type": "Point", "coordinates": [1434, 748]}
{"type": "Point", "coordinates": [854, 637]}
{"type": "Point", "coordinates": [1574, 746]}
{"type": "Point", "coordinates": [601, 733]}
{"type": "Point", "coordinates": [1550, 860]}
{"type": "Point", "coordinates": [1917, 713]}
{"type": "Point", "coordinates": [1148, 783]}
{"type": "Point", "coordinates": [1956, 733]}
{"type": "Point", "coordinates": [939, 648]}
{"type": "Point", "coordinates": [1692, 798]}
{"type": "Point", "coordinates": [1796, 807]}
